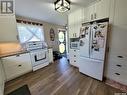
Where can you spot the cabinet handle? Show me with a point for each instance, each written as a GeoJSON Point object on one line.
{"type": "Point", "coordinates": [74, 61]}
{"type": "Point", "coordinates": [74, 55]}
{"type": "Point", "coordinates": [117, 74]}
{"type": "Point", "coordinates": [95, 15]}
{"type": "Point", "coordinates": [17, 36]}
{"type": "Point", "coordinates": [19, 65]}
{"type": "Point", "coordinates": [74, 50]}
{"type": "Point", "coordinates": [120, 56]}
{"type": "Point", "coordinates": [119, 65]}
{"type": "Point", "coordinates": [75, 34]}
{"type": "Point", "coordinates": [91, 16]}
{"type": "Point", "coordinates": [17, 55]}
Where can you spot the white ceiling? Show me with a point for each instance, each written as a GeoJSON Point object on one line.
{"type": "Point", "coordinates": [44, 10]}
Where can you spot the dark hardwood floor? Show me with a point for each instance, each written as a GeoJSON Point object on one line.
{"type": "Point", "coordinates": [59, 78]}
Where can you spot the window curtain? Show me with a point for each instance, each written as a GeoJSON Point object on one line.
{"type": "Point", "coordinates": [29, 32]}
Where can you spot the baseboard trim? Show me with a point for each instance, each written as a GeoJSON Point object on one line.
{"type": "Point", "coordinates": [115, 84]}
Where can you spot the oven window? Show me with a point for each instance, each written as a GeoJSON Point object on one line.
{"type": "Point", "coordinates": [29, 33]}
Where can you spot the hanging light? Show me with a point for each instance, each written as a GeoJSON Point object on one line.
{"type": "Point", "coordinates": [62, 5]}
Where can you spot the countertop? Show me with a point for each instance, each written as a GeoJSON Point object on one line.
{"type": "Point", "coordinates": [13, 53]}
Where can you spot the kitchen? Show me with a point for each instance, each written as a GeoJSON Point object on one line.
{"type": "Point", "coordinates": [95, 47]}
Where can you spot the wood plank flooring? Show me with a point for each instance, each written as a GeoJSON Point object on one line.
{"type": "Point", "coordinates": [59, 78]}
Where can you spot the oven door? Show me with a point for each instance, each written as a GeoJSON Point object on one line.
{"type": "Point", "coordinates": [39, 56]}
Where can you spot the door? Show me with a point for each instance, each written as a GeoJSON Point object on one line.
{"type": "Point", "coordinates": [62, 41]}
{"type": "Point", "coordinates": [85, 40]}
{"type": "Point", "coordinates": [98, 40]}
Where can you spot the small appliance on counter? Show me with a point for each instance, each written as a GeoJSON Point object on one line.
{"type": "Point", "coordinates": [74, 43]}
{"type": "Point", "coordinates": [39, 54]}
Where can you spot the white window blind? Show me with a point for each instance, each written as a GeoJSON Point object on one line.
{"type": "Point", "coordinates": [29, 32]}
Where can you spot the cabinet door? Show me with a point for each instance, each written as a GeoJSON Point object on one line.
{"type": "Point", "coordinates": [78, 21]}
{"type": "Point", "coordinates": [102, 8]}
{"type": "Point", "coordinates": [90, 13]}
{"type": "Point", "coordinates": [74, 22]}
{"type": "Point", "coordinates": [71, 31]}
{"type": "Point", "coordinates": [17, 65]}
{"type": "Point", "coordinates": [71, 25]}
{"type": "Point", "coordinates": [120, 17]}
{"type": "Point", "coordinates": [85, 16]}
{"type": "Point", "coordinates": [1, 92]}
{"type": "Point", "coordinates": [2, 79]}
{"type": "Point", "coordinates": [119, 29]}
{"type": "Point", "coordinates": [8, 32]}
{"type": "Point", "coordinates": [50, 51]}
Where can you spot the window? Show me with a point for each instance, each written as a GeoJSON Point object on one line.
{"type": "Point", "coordinates": [29, 32]}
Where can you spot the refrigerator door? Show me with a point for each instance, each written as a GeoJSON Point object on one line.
{"type": "Point", "coordinates": [91, 67]}
{"type": "Point", "coordinates": [98, 40]}
{"type": "Point", "coordinates": [85, 41]}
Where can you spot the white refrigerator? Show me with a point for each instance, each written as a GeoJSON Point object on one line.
{"type": "Point", "coordinates": [93, 39]}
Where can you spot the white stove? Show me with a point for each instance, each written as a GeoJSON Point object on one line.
{"type": "Point", "coordinates": [39, 55]}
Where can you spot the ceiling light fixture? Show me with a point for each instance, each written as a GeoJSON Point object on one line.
{"type": "Point", "coordinates": [62, 5]}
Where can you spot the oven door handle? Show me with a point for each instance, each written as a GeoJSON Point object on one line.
{"type": "Point", "coordinates": [39, 59]}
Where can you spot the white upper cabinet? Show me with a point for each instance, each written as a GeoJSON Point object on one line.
{"type": "Point", "coordinates": [98, 10]}
{"type": "Point", "coordinates": [102, 9]}
{"type": "Point", "coordinates": [74, 23]}
{"type": "Point", "coordinates": [119, 28]}
{"type": "Point", "coordinates": [90, 13]}
{"type": "Point", "coordinates": [120, 17]}
{"type": "Point", "coordinates": [8, 29]}
{"type": "Point", "coordinates": [78, 21]}
{"type": "Point", "coordinates": [71, 25]}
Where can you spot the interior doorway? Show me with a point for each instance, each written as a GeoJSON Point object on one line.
{"type": "Point", "coordinates": [62, 41]}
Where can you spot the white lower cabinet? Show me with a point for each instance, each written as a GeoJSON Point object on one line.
{"type": "Point", "coordinates": [2, 79]}
{"type": "Point", "coordinates": [74, 57]}
{"type": "Point", "coordinates": [117, 68]}
{"type": "Point", "coordinates": [50, 52]}
{"type": "Point", "coordinates": [16, 65]}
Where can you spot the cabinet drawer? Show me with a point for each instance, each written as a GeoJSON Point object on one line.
{"type": "Point", "coordinates": [117, 66]}
{"type": "Point", "coordinates": [73, 62]}
{"type": "Point", "coordinates": [17, 70]}
{"type": "Point", "coordinates": [118, 76]}
{"type": "Point", "coordinates": [15, 60]}
{"type": "Point", "coordinates": [117, 63]}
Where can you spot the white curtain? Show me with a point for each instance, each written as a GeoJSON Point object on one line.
{"type": "Point", "coordinates": [29, 32]}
